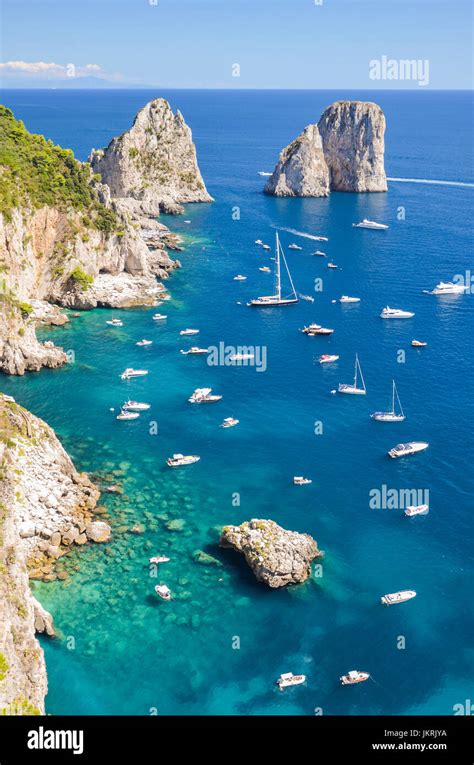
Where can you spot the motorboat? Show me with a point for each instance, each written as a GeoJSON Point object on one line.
{"type": "Point", "coordinates": [159, 559]}
{"type": "Point", "coordinates": [392, 415]}
{"type": "Point", "coordinates": [412, 510]}
{"type": "Point", "coordinates": [321, 238]}
{"type": "Point", "coordinates": [311, 328]}
{"type": "Point", "coordinates": [144, 342]}
{"type": "Point", "coordinates": [203, 396]}
{"type": "Point", "coordinates": [241, 357]}
{"type": "Point", "coordinates": [178, 460]}
{"type": "Point", "coordinates": [308, 298]}
{"type": "Point", "coordinates": [370, 224]}
{"type": "Point", "coordinates": [159, 317]}
{"type": "Point", "coordinates": [259, 241]}
{"type": "Point", "coordinates": [135, 406]}
{"type": "Point", "coordinates": [115, 322]}
{"type": "Point", "coordinates": [449, 288]}
{"type": "Point", "coordinates": [277, 298]}
{"type": "Point", "coordinates": [418, 344]}
{"type": "Point", "coordinates": [263, 173]}
{"type": "Point", "coordinates": [229, 422]}
{"type": "Point", "coordinates": [347, 299]}
{"type": "Point", "coordinates": [353, 677]}
{"type": "Point", "coordinates": [195, 350]}
{"type": "Point", "coordinates": [126, 415]}
{"type": "Point", "coordinates": [130, 372]}
{"type": "Point", "coordinates": [403, 450]}
{"type": "Point", "coordinates": [266, 247]}
{"type": "Point", "coordinates": [321, 331]}
{"type": "Point", "coordinates": [397, 597]}
{"type": "Point", "coordinates": [299, 480]}
{"type": "Point", "coordinates": [163, 591]}
{"type": "Point", "coordinates": [288, 679]}
{"type": "Point", "coordinates": [395, 313]}
{"type": "Point", "coordinates": [327, 358]}
{"type": "Point", "coordinates": [320, 254]}
{"type": "Point", "coordinates": [265, 269]}
{"type": "Point", "coordinates": [240, 278]}
{"type": "Point", "coordinates": [294, 247]}
{"type": "Point", "coordinates": [354, 389]}
{"type": "Point", "coordinates": [188, 331]}
{"type": "Point", "coordinates": [332, 265]}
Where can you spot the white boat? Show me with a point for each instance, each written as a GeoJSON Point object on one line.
{"type": "Point", "coordinates": [265, 269]}
{"type": "Point", "coordinates": [144, 342]}
{"type": "Point", "coordinates": [187, 221]}
{"type": "Point", "coordinates": [370, 224]}
{"type": "Point", "coordinates": [311, 328]}
{"type": "Point", "coordinates": [288, 679]}
{"type": "Point", "coordinates": [396, 313]}
{"type": "Point", "coordinates": [163, 591]}
{"type": "Point", "coordinates": [266, 247]}
{"type": "Point", "coordinates": [321, 331]}
{"type": "Point", "coordinates": [159, 559]}
{"type": "Point", "coordinates": [449, 288]}
{"type": "Point", "coordinates": [403, 450]}
{"type": "Point", "coordinates": [241, 357]}
{"type": "Point", "coordinates": [354, 389]}
{"type": "Point", "coordinates": [178, 460]}
{"type": "Point", "coordinates": [353, 677]}
{"type": "Point", "coordinates": [195, 350]}
{"type": "Point", "coordinates": [188, 331]}
{"type": "Point", "coordinates": [294, 247]}
{"type": "Point", "coordinates": [320, 254]}
{"type": "Point", "coordinates": [332, 265]}
{"type": "Point", "coordinates": [259, 241]}
{"type": "Point", "coordinates": [115, 322]}
{"type": "Point", "coordinates": [308, 298]}
{"type": "Point", "coordinates": [321, 238]}
{"type": "Point", "coordinates": [277, 298]}
{"type": "Point", "coordinates": [240, 278]}
{"type": "Point", "coordinates": [391, 416]}
{"type": "Point", "coordinates": [130, 372]}
{"type": "Point", "coordinates": [412, 510]}
{"type": "Point", "coordinates": [135, 406]}
{"type": "Point", "coordinates": [203, 396]}
{"type": "Point", "coordinates": [397, 597]}
{"type": "Point", "coordinates": [263, 173]}
{"type": "Point", "coordinates": [299, 480]}
{"type": "Point", "coordinates": [126, 415]}
{"type": "Point", "coordinates": [229, 422]}
{"type": "Point", "coordinates": [418, 344]}
{"type": "Point", "coordinates": [327, 358]}
{"type": "Point", "coordinates": [159, 317]}
{"type": "Point", "coordinates": [347, 299]}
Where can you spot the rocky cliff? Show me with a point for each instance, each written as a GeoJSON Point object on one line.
{"type": "Point", "coordinates": [46, 507]}
{"type": "Point", "coordinates": [343, 152]}
{"type": "Point", "coordinates": [154, 162]}
{"type": "Point", "coordinates": [276, 556]}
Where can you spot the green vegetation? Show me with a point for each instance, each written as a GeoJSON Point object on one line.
{"type": "Point", "coordinates": [20, 706]}
{"type": "Point", "coordinates": [82, 279]}
{"type": "Point", "coordinates": [3, 666]}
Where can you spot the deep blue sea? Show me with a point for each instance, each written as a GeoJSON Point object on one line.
{"type": "Point", "coordinates": [122, 651]}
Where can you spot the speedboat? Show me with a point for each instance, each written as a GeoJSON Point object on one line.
{"type": "Point", "coordinates": [241, 357]}
{"type": "Point", "coordinates": [115, 322]}
{"type": "Point", "coordinates": [449, 288]}
{"type": "Point", "coordinates": [320, 254]}
{"type": "Point", "coordinates": [418, 344]}
{"type": "Point", "coordinates": [266, 247]}
{"type": "Point", "coordinates": [263, 173]}
{"type": "Point", "coordinates": [130, 372]}
{"type": "Point", "coordinates": [145, 342]}
{"type": "Point", "coordinates": [288, 679]}
{"type": "Point", "coordinates": [308, 298]}
{"type": "Point", "coordinates": [321, 238]}
{"type": "Point", "coordinates": [125, 415]}
{"type": "Point", "coordinates": [311, 328]}
{"type": "Point", "coordinates": [397, 597]}
{"type": "Point", "coordinates": [370, 224]}
{"type": "Point", "coordinates": [294, 247]}
{"type": "Point", "coordinates": [354, 389]}
{"type": "Point", "coordinates": [229, 422]}
{"type": "Point", "coordinates": [412, 510]}
{"type": "Point", "coordinates": [299, 480]}
{"type": "Point", "coordinates": [163, 591]}
{"type": "Point", "coordinates": [203, 396]}
{"type": "Point", "coordinates": [403, 450]}
{"type": "Point", "coordinates": [353, 677]}
{"type": "Point", "coordinates": [265, 269]}
{"type": "Point", "coordinates": [322, 331]}
{"type": "Point", "coordinates": [159, 317]}
{"type": "Point", "coordinates": [259, 241]}
{"type": "Point", "coordinates": [326, 358]}
{"type": "Point", "coordinates": [347, 299]}
{"type": "Point", "coordinates": [332, 265]}
{"type": "Point", "coordinates": [391, 416]}
{"type": "Point", "coordinates": [240, 278]}
{"type": "Point", "coordinates": [396, 313]}
{"type": "Point", "coordinates": [189, 332]}
{"type": "Point", "coordinates": [159, 559]}
{"type": "Point", "coordinates": [195, 350]}
{"type": "Point", "coordinates": [178, 460]}
{"type": "Point", "coordinates": [135, 406]}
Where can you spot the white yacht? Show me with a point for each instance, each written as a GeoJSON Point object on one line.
{"type": "Point", "coordinates": [203, 396]}
{"type": "Point", "coordinates": [327, 358]}
{"type": "Point", "coordinates": [412, 510]}
{"type": "Point", "coordinates": [264, 174]}
{"type": "Point", "coordinates": [449, 288]}
{"type": "Point", "coordinates": [403, 450]}
{"type": "Point", "coordinates": [229, 422]}
{"type": "Point", "coordinates": [115, 322]}
{"type": "Point", "coordinates": [277, 298]}
{"type": "Point", "coordinates": [241, 357]}
{"type": "Point", "coordinates": [195, 350]}
{"type": "Point", "coordinates": [159, 317]}
{"type": "Point", "coordinates": [392, 415]}
{"type": "Point", "coordinates": [266, 247]}
{"type": "Point", "coordinates": [332, 265]}
{"type": "Point", "coordinates": [259, 242]}
{"type": "Point", "coordinates": [135, 406]}
{"type": "Point", "coordinates": [354, 389]}
{"type": "Point", "coordinates": [347, 299]}
{"type": "Point", "coordinates": [397, 597]}
{"type": "Point", "coordinates": [308, 298]}
{"type": "Point", "coordinates": [178, 460]}
{"type": "Point", "coordinates": [188, 331]}
{"type": "Point", "coordinates": [125, 415]}
{"type": "Point", "coordinates": [144, 342]}
{"type": "Point", "coordinates": [370, 224]}
{"type": "Point", "coordinates": [321, 238]}
{"type": "Point", "coordinates": [321, 331]}
{"type": "Point", "coordinates": [288, 679]}
{"type": "Point", "coordinates": [300, 480]}
{"type": "Point", "coordinates": [130, 372]}
{"type": "Point", "coordinates": [159, 559]}
{"type": "Point", "coordinates": [265, 269]}
{"type": "Point", "coordinates": [294, 246]}
{"type": "Point", "coordinates": [396, 313]}
{"type": "Point", "coordinates": [163, 591]}
{"type": "Point", "coordinates": [353, 677]}
{"type": "Point", "coordinates": [311, 328]}
{"type": "Point", "coordinates": [418, 344]}
{"type": "Point", "coordinates": [320, 254]}
{"type": "Point", "coordinates": [240, 278]}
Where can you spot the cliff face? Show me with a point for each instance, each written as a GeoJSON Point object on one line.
{"type": "Point", "coordinates": [301, 170]}
{"type": "Point", "coordinates": [353, 142]}
{"type": "Point", "coordinates": [344, 152]}
{"type": "Point", "coordinates": [154, 162]}
{"type": "Point", "coordinates": [45, 508]}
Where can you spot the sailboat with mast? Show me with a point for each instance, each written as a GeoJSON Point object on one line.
{"type": "Point", "coordinates": [354, 389]}
{"type": "Point", "coordinates": [277, 298]}
{"type": "Point", "coordinates": [392, 415]}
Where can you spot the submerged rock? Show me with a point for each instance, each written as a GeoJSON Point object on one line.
{"type": "Point", "coordinates": [301, 170]}
{"type": "Point", "coordinates": [276, 556]}
{"type": "Point", "coordinates": [98, 531]}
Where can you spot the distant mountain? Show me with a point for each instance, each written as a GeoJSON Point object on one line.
{"type": "Point", "coordinates": [67, 83]}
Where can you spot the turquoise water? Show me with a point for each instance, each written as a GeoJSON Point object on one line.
{"type": "Point", "coordinates": [131, 653]}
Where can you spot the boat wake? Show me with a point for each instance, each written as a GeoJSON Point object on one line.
{"type": "Point", "coordinates": [298, 233]}
{"type": "Point", "coordinates": [432, 182]}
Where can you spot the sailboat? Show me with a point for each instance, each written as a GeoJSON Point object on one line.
{"type": "Point", "coordinates": [391, 416]}
{"type": "Point", "coordinates": [353, 389]}
{"type": "Point", "coordinates": [276, 298]}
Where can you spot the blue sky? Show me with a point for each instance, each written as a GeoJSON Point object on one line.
{"type": "Point", "coordinates": [195, 43]}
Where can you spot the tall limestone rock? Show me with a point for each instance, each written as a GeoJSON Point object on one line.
{"type": "Point", "coordinates": [301, 170]}
{"type": "Point", "coordinates": [154, 162]}
{"type": "Point", "coordinates": [353, 143]}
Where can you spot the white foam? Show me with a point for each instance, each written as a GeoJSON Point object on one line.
{"type": "Point", "coordinates": [297, 233]}
{"type": "Point", "coordinates": [432, 182]}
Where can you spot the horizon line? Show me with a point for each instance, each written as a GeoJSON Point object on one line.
{"type": "Point", "coordinates": [231, 90]}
